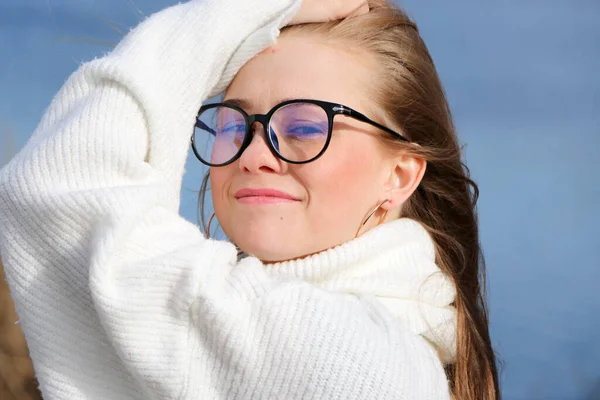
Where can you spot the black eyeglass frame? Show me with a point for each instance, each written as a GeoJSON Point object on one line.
{"type": "Point", "coordinates": [331, 109]}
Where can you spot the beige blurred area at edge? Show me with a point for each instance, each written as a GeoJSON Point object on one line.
{"type": "Point", "coordinates": [17, 380]}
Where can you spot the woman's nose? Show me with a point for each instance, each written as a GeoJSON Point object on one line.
{"type": "Point", "coordinates": [258, 155]}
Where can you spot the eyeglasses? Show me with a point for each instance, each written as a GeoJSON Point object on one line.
{"type": "Point", "coordinates": [297, 131]}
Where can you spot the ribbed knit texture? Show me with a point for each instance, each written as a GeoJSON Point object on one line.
{"type": "Point", "coordinates": [119, 297]}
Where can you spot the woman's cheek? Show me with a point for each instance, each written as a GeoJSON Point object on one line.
{"type": "Point", "coordinates": [339, 183]}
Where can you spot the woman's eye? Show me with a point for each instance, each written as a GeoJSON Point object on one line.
{"type": "Point", "coordinates": [233, 128]}
{"type": "Point", "coordinates": [305, 130]}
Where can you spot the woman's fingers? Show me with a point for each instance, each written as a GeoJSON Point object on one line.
{"type": "Point", "coordinates": [329, 10]}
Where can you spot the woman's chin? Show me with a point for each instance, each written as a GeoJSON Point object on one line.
{"type": "Point", "coordinates": [269, 246]}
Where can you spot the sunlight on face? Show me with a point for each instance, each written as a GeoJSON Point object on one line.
{"type": "Point", "coordinates": [301, 209]}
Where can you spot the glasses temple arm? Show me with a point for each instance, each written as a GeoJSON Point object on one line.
{"type": "Point", "coordinates": [364, 118]}
{"type": "Point", "coordinates": [202, 125]}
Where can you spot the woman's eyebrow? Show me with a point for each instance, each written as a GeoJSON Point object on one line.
{"type": "Point", "coordinates": [242, 103]}
{"type": "Point", "coordinates": [246, 104]}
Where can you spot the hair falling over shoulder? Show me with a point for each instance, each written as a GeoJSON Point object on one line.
{"type": "Point", "coordinates": [407, 89]}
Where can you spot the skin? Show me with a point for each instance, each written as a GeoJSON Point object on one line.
{"type": "Point", "coordinates": [334, 192]}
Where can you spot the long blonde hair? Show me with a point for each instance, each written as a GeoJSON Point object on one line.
{"type": "Point", "coordinates": [408, 90]}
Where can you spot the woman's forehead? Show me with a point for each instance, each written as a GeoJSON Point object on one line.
{"type": "Point", "coordinates": [300, 67]}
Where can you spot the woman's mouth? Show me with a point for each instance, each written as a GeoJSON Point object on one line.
{"type": "Point", "coordinates": [264, 196]}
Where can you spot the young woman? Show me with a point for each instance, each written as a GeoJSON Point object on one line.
{"type": "Point", "coordinates": [335, 170]}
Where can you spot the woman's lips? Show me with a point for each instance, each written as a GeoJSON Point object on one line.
{"type": "Point", "coordinates": [264, 196]}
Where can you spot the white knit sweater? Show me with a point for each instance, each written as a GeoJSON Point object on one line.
{"type": "Point", "coordinates": [121, 298]}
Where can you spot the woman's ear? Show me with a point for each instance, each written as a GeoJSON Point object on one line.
{"type": "Point", "coordinates": [404, 178]}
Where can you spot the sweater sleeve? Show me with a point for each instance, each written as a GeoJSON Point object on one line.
{"type": "Point", "coordinates": [120, 297]}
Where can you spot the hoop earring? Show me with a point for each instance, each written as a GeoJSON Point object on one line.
{"type": "Point", "coordinates": [240, 253]}
{"type": "Point", "coordinates": [207, 232]}
{"type": "Point", "coordinates": [369, 215]}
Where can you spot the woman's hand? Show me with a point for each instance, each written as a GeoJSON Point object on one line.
{"type": "Point", "coordinates": [329, 10]}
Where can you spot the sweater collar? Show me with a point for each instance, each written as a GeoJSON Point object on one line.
{"type": "Point", "coordinates": [395, 262]}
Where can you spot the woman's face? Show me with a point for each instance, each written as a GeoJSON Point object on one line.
{"type": "Point", "coordinates": [329, 196]}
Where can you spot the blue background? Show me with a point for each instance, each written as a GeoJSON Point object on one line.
{"type": "Point", "coordinates": [522, 80]}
